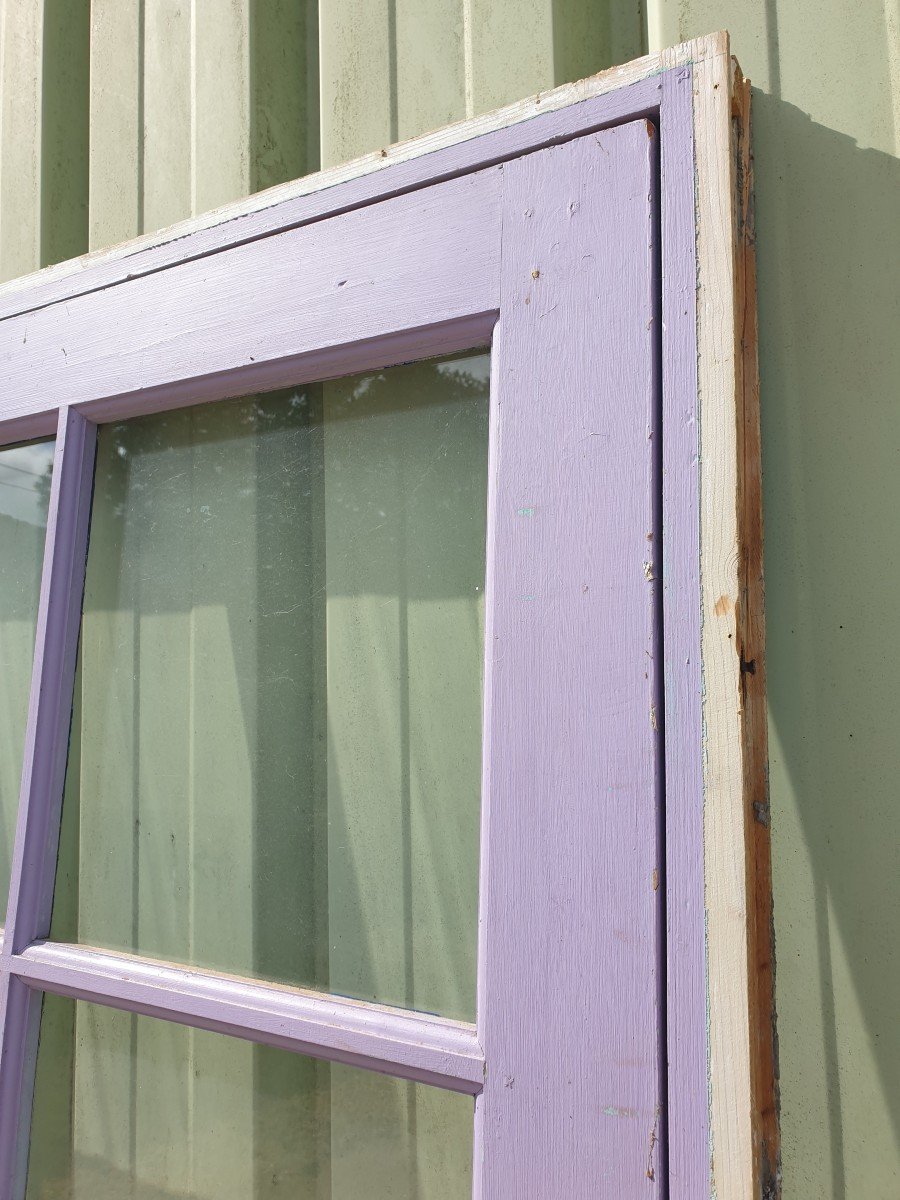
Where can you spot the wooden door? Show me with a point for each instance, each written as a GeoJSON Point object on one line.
{"type": "Point", "coordinates": [367, 696]}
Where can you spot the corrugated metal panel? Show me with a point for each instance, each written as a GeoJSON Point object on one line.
{"type": "Point", "coordinates": [21, 37]}
{"type": "Point", "coordinates": [43, 132]}
{"type": "Point", "coordinates": [393, 69]}
{"type": "Point", "coordinates": [121, 116]}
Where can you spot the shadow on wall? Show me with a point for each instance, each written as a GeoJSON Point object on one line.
{"type": "Point", "coordinates": [829, 263]}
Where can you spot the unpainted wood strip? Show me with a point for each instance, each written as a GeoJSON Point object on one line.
{"type": "Point", "coordinates": [724, 832]}
{"type": "Point", "coordinates": [752, 664]}
{"type": "Point", "coordinates": [735, 1174]}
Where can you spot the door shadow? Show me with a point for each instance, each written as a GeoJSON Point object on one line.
{"type": "Point", "coordinates": [829, 305]}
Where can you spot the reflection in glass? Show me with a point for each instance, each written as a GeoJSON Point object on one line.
{"type": "Point", "coordinates": [131, 1106]}
{"type": "Point", "coordinates": [275, 766]}
{"type": "Point", "coordinates": [24, 498]}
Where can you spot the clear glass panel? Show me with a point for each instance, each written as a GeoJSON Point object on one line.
{"type": "Point", "coordinates": [275, 765]}
{"type": "Point", "coordinates": [24, 498]}
{"type": "Point", "coordinates": [130, 1106]}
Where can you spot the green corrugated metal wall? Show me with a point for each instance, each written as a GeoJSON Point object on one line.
{"type": "Point", "coordinates": [120, 116]}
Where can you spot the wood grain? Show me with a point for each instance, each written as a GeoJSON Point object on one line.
{"type": "Point", "coordinates": [724, 831]}
{"type": "Point", "coordinates": [276, 301]}
{"type": "Point", "coordinates": [738, 898]}
{"type": "Point", "coordinates": [569, 966]}
{"type": "Point", "coordinates": [750, 618]}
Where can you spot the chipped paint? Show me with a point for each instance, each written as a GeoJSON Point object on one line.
{"type": "Point", "coordinates": [616, 1110]}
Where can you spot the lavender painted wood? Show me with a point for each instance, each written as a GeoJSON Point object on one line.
{"type": "Point", "coordinates": [46, 740]}
{"type": "Point", "coordinates": [688, 1115]}
{"type": "Point", "coordinates": [351, 186]}
{"type": "Point", "coordinates": [407, 329]}
{"type": "Point", "coordinates": [409, 1045]}
{"type": "Point", "coordinates": [468, 332]}
{"type": "Point", "coordinates": [20, 1015]}
{"type": "Point", "coordinates": [50, 705]}
{"type": "Point", "coordinates": [570, 950]}
{"type": "Point", "coordinates": [317, 288]}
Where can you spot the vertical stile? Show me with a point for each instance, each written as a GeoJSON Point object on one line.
{"type": "Point", "coordinates": [43, 774]}
{"type": "Point", "coordinates": [569, 970]}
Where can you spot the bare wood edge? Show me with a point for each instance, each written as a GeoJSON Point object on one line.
{"type": "Point", "coordinates": [743, 1112]}
{"type": "Point", "coordinates": [724, 833]}
{"type": "Point", "coordinates": [369, 164]}
{"type": "Point", "coordinates": [752, 651]}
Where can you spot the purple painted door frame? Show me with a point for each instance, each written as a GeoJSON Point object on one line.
{"type": "Point", "coordinates": [568, 242]}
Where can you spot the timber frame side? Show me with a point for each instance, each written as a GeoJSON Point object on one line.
{"type": "Point", "coordinates": [752, 651]}
{"type": "Point", "coordinates": [744, 1131]}
{"type": "Point", "coordinates": [739, 1027]}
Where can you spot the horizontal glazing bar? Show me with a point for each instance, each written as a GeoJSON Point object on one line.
{"type": "Point", "coordinates": [404, 1044]}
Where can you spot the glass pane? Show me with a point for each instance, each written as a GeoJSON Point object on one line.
{"type": "Point", "coordinates": [24, 497]}
{"type": "Point", "coordinates": [130, 1106]}
{"type": "Point", "coordinates": [276, 767]}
